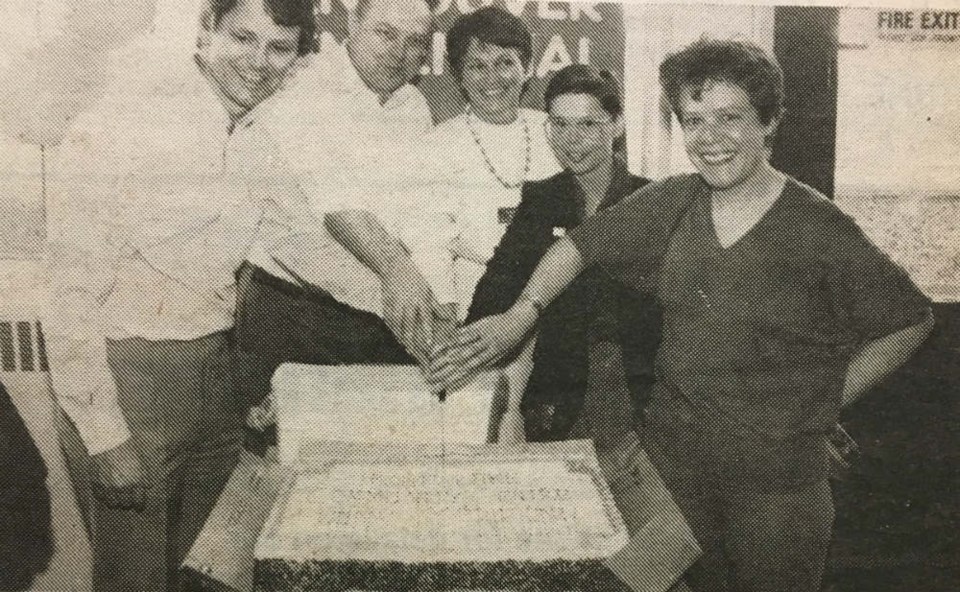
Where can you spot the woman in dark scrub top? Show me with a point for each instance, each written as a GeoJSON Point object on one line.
{"type": "Point", "coordinates": [777, 312]}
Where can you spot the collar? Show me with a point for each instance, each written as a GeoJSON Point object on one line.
{"type": "Point", "coordinates": [620, 183]}
{"type": "Point", "coordinates": [619, 187]}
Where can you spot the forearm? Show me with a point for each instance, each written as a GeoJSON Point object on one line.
{"type": "Point", "coordinates": [80, 269]}
{"type": "Point", "coordinates": [361, 233]}
{"type": "Point", "coordinates": [517, 373]}
{"type": "Point", "coordinates": [560, 265]}
{"type": "Point", "coordinates": [880, 357]}
{"type": "Point", "coordinates": [80, 376]}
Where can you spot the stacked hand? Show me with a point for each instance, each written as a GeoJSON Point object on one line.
{"type": "Point", "coordinates": [413, 314]}
{"type": "Point", "coordinates": [478, 346]}
{"type": "Point", "coordinates": [449, 356]}
{"type": "Point", "coordinates": [409, 309]}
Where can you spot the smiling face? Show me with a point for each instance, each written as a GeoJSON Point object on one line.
{"type": "Point", "coordinates": [722, 134]}
{"type": "Point", "coordinates": [493, 80]}
{"type": "Point", "coordinates": [249, 55]}
{"type": "Point", "coordinates": [389, 41]}
{"type": "Point", "coordinates": [581, 132]}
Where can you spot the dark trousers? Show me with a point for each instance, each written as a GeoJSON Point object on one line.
{"type": "Point", "coordinates": [754, 539]}
{"type": "Point", "coordinates": [278, 322]}
{"type": "Point", "coordinates": [180, 403]}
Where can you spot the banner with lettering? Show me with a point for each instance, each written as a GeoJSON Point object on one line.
{"type": "Point", "coordinates": [563, 33]}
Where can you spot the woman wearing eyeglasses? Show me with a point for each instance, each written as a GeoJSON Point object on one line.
{"type": "Point", "coordinates": [777, 311]}
{"type": "Point", "coordinates": [585, 118]}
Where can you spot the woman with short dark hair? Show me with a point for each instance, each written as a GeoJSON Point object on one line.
{"type": "Point", "coordinates": [484, 155]}
{"type": "Point", "coordinates": [777, 311]}
{"type": "Point", "coordinates": [742, 64]}
{"type": "Point", "coordinates": [585, 119]}
{"type": "Point", "coordinates": [581, 79]}
{"type": "Point", "coordinates": [489, 26]}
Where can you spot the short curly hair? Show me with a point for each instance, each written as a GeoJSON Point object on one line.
{"type": "Point", "coordinates": [735, 62]}
{"type": "Point", "coordinates": [492, 25]}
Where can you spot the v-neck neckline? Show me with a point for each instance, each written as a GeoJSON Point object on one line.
{"type": "Point", "coordinates": [746, 236]}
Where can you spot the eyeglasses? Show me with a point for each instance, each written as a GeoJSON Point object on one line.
{"type": "Point", "coordinates": [589, 128]}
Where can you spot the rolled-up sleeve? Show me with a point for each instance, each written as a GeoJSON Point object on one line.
{"type": "Point", "coordinates": [427, 233]}
{"type": "Point", "coordinates": [80, 272]}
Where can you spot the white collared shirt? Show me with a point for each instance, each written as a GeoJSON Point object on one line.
{"type": "Point", "coordinates": [148, 218]}
{"type": "Point", "coordinates": [344, 150]}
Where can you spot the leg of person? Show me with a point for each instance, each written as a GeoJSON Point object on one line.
{"type": "Point", "coordinates": [127, 546]}
{"type": "Point", "coordinates": [204, 477]}
{"type": "Point", "coordinates": [710, 573]}
{"type": "Point", "coordinates": [778, 540]}
{"type": "Point", "coordinates": [215, 451]}
{"type": "Point", "coordinates": [160, 392]}
{"type": "Point", "coordinates": [606, 411]}
{"type": "Point", "coordinates": [130, 546]}
{"type": "Point", "coordinates": [701, 505]}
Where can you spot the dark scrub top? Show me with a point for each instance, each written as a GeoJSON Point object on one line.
{"type": "Point", "coordinates": [593, 307]}
{"type": "Point", "coordinates": [757, 336]}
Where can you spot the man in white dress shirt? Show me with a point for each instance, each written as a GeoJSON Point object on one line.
{"type": "Point", "coordinates": [149, 217]}
{"type": "Point", "coordinates": [332, 280]}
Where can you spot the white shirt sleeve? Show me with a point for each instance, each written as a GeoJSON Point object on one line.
{"type": "Point", "coordinates": [423, 218]}
{"type": "Point", "coordinates": [81, 270]}
{"type": "Point", "coordinates": [415, 114]}
{"type": "Point", "coordinates": [427, 233]}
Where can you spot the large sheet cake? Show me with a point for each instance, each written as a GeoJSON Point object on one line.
{"type": "Point", "coordinates": [382, 487]}
{"type": "Point", "coordinates": [441, 517]}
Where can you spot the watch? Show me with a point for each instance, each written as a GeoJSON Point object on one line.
{"type": "Point", "coordinates": [534, 302]}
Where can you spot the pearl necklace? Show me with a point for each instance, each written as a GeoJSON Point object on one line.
{"type": "Point", "coordinates": [486, 157]}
